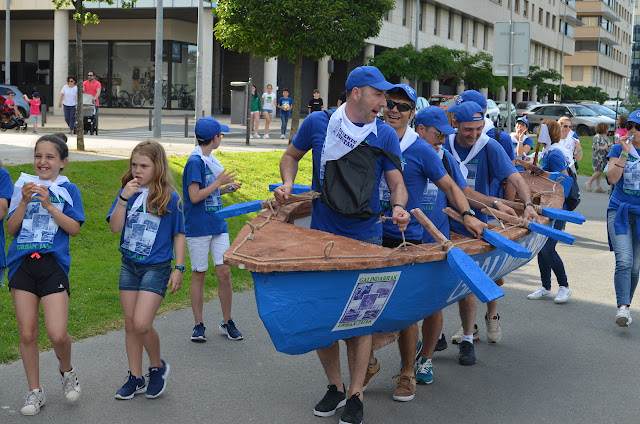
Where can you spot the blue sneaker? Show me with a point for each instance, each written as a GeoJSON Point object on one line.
{"type": "Point", "coordinates": [157, 380]}
{"type": "Point", "coordinates": [132, 386]}
{"type": "Point", "coordinates": [229, 329]}
{"type": "Point", "coordinates": [424, 371]}
{"type": "Point", "coordinates": [198, 333]}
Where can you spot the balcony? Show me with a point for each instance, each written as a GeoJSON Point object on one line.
{"type": "Point", "coordinates": [594, 33]}
{"type": "Point", "coordinates": [597, 8]}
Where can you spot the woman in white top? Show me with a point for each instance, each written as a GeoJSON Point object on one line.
{"type": "Point", "coordinates": [68, 99]}
{"type": "Point", "coordinates": [571, 146]}
{"type": "Point", "coordinates": [268, 102]}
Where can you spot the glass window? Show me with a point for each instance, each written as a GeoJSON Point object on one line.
{"type": "Point", "coordinates": [525, 8]}
{"type": "Point", "coordinates": [96, 59]}
{"type": "Point", "coordinates": [132, 74]}
{"type": "Point", "coordinates": [577, 73]}
{"type": "Point", "coordinates": [183, 75]}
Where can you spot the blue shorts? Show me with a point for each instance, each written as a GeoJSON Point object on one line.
{"type": "Point", "coordinates": [152, 278]}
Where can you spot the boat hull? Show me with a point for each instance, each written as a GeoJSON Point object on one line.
{"type": "Point", "coordinates": [308, 310]}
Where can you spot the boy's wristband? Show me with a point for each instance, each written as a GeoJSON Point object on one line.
{"type": "Point", "coordinates": [180, 268]}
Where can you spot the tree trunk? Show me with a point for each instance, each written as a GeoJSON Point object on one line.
{"type": "Point", "coordinates": [297, 97]}
{"type": "Point", "coordinates": [80, 73]}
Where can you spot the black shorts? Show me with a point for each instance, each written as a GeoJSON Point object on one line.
{"type": "Point", "coordinates": [40, 276]}
{"type": "Point", "coordinates": [394, 242]}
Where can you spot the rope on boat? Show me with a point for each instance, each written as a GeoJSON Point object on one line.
{"type": "Point", "coordinates": [488, 208]}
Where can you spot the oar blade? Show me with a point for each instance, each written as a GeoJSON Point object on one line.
{"type": "Point", "coordinates": [297, 188]}
{"type": "Point", "coordinates": [473, 276]}
{"type": "Point", "coordinates": [562, 215]}
{"type": "Point", "coordinates": [506, 245]}
{"type": "Point", "coordinates": [240, 209]}
{"type": "Point", "coordinates": [552, 232]}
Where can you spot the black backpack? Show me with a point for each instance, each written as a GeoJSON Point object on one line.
{"type": "Point", "coordinates": [572, 200]}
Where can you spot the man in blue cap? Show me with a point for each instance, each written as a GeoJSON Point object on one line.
{"type": "Point", "coordinates": [204, 180]}
{"type": "Point", "coordinates": [481, 160]}
{"type": "Point", "coordinates": [421, 164]}
{"type": "Point", "coordinates": [351, 135]}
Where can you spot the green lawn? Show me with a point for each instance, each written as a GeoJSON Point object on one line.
{"type": "Point", "coordinates": [95, 265]}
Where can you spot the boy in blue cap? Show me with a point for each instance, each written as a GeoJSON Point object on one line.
{"type": "Point", "coordinates": [203, 182]}
{"type": "Point", "coordinates": [352, 131]}
{"type": "Point", "coordinates": [481, 160]}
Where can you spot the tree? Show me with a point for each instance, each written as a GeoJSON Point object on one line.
{"type": "Point", "coordinates": [83, 17]}
{"type": "Point", "coordinates": [298, 28]}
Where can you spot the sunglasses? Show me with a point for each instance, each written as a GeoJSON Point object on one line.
{"type": "Point", "coordinates": [91, 75]}
{"type": "Point", "coordinates": [632, 125]}
{"type": "Point", "coordinates": [402, 107]}
{"type": "Point", "coordinates": [567, 126]}
{"type": "Point", "coordinates": [11, 95]}
{"type": "Point", "coordinates": [221, 135]}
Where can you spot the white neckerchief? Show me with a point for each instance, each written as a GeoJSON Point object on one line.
{"type": "Point", "coordinates": [633, 152]}
{"type": "Point", "coordinates": [409, 137]}
{"type": "Point", "coordinates": [212, 163]}
{"type": "Point", "coordinates": [440, 152]}
{"type": "Point", "coordinates": [54, 186]}
{"type": "Point", "coordinates": [141, 200]}
{"type": "Point", "coordinates": [488, 124]}
{"type": "Point", "coordinates": [477, 147]}
{"type": "Point", "coordinates": [342, 137]}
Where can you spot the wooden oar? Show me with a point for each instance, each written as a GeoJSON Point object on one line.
{"type": "Point", "coordinates": [533, 226]}
{"type": "Point", "coordinates": [495, 239]}
{"type": "Point", "coordinates": [297, 188]}
{"type": "Point", "coordinates": [462, 264]}
{"type": "Point", "coordinates": [240, 209]}
{"type": "Point", "coordinates": [553, 213]}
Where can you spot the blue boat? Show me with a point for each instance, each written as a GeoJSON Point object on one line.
{"type": "Point", "coordinates": [313, 288]}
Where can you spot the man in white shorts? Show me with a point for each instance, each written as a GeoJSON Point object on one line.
{"type": "Point", "coordinates": [202, 181]}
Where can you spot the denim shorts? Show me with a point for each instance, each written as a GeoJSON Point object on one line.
{"type": "Point", "coordinates": [152, 278]}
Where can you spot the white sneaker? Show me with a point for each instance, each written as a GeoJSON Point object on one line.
{"type": "Point", "coordinates": [70, 385]}
{"type": "Point", "coordinates": [256, 135]}
{"type": "Point", "coordinates": [266, 136]}
{"type": "Point", "coordinates": [623, 317]}
{"type": "Point", "coordinates": [563, 295]}
{"type": "Point", "coordinates": [494, 333]}
{"type": "Point", "coordinates": [282, 136]}
{"type": "Point", "coordinates": [252, 136]}
{"type": "Point", "coordinates": [540, 293]}
{"type": "Point", "coordinates": [457, 338]}
{"type": "Point", "coordinates": [35, 400]}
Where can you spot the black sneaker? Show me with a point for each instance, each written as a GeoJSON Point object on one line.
{"type": "Point", "coordinates": [331, 401]}
{"type": "Point", "coordinates": [442, 344]}
{"type": "Point", "coordinates": [466, 354]}
{"type": "Point", "coordinates": [353, 412]}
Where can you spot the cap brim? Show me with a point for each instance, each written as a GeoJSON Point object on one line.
{"type": "Point", "coordinates": [445, 129]}
{"type": "Point", "coordinates": [224, 128]}
{"type": "Point", "coordinates": [382, 85]}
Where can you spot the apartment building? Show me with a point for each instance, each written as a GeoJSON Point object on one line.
{"type": "Point", "coordinates": [634, 79]}
{"type": "Point", "coordinates": [602, 46]}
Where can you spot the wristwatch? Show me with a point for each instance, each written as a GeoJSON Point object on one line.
{"type": "Point", "coordinates": [180, 268]}
{"type": "Point", "coordinates": [469, 212]}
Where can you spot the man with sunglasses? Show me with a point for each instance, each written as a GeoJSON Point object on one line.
{"type": "Point", "coordinates": [93, 87]}
{"type": "Point", "coordinates": [350, 133]}
{"type": "Point", "coordinates": [421, 164]}
{"type": "Point", "coordinates": [481, 160]}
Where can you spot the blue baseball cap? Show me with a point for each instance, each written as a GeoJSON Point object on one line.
{"type": "Point", "coordinates": [208, 127]}
{"type": "Point", "coordinates": [472, 96]}
{"type": "Point", "coordinates": [433, 116]}
{"type": "Point", "coordinates": [464, 111]}
{"type": "Point", "coordinates": [407, 89]}
{"type": "Point", "coordinates": [523, 120]}
{"type": "Point", "coordinates": [367, 75]}
{"type": "Point", "coordinates": [634, 117]}
{"type": "Point", "coordinates": [35, 94]}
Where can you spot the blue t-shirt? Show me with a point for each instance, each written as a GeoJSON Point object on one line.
{"type": "Point", "coordinates": [311, 135]}
{"type": "Point", "coordinates": [505, 142]}
{"type": "Point", "coordinates": [554, 161]}
{"type": "Point", "coordinates": [282, 101]}
{"type": "Point", "coordinates": [421, 163]}
{"type": "Point", "coordinates": [40, 232]}
{"type": "Point", "coordinates": [627, 189]}
{"type": "Point", "coordinates": [482, 173]}
{"type": "Point", "coordinates": [200, 218]}
{"type": "Point", "coordinates": [433, 207]}
{"type": "Point", "coordinates": [6, 191]}
{"type": "Point", "coordinates": [148, 238]}
{"type": "Point", "coordinates": [526, 142]}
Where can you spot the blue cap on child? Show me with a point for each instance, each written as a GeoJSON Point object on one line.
{"type": "Point", "coordinates": [208, 127]}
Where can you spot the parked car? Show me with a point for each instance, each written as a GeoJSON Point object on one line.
{"type": "Point", "coordinates": [503, 113]}
{"type": "Point", "coordinates": [584, 120]}
{"type": "Point", "coordinates": [601, 110]}
{"type": "Point", "coordinates": [621, 110]}
{"type": "Point", "coordinates": [493, 112]}
{"type": "Point", "coordinates": [421, 103]}
{"type": "Point", "coordinates": [443, 101]}
{"type": "Point", "coordinates": [23, 105]}
{"type": "Point", "coordinates": [521, 107]}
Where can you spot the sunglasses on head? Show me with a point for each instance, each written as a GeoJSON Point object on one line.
{"type": "Point", "coordinates": [402, 107]}
{"type": "Point", "coordinates": [631, 125]}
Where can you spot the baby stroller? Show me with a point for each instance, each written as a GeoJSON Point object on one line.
{"type": "Point", "coordinates": [10, 121]}
{"type": "Point", "coordinates": [89, 113]}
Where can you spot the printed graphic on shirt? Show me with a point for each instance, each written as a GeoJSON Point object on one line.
{"type": "Point", "coordinates": [472, 167]}
{"type": "Point", "coordinates": [429, 196]}
{"type": "Point", "coordinates": [213, 202]}
{"type": "Point", "coordinates": [38, 226]}
{"type": "Point", "coordinates": [140, 234]}
{"type": "Point", "coordinates": [631, 175]}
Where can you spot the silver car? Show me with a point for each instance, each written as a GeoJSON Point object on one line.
{"type": "Point", "coordinates": [493, 112]}
{"type": "Point", "coordinates": [584, 120]}
{"type": "Point", "coordinates": [502, 105]}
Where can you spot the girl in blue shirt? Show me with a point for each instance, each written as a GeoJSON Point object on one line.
{"type": "Point", "coordinates": [45, 210]}
{"type": "Point", "coordinates": [623, 216]}
{"type": "Point", "coordinates": [548, 258]}
{"type": "Point", "coordinates": [148, 211]}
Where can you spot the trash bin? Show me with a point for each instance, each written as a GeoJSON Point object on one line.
{"type": "Point", "coordinates": [239, 102]}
